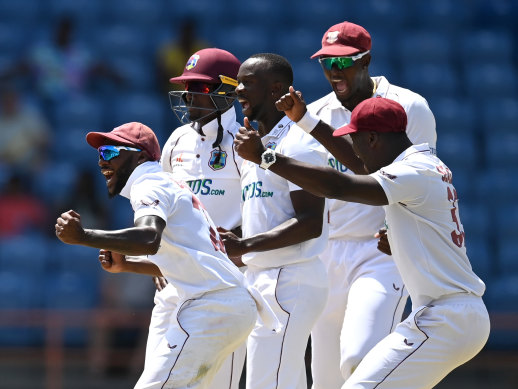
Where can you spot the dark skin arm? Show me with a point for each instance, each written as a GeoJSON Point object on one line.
{"type": "Point", "coordinates": [142, 239]}
{"type": "Point", "coordinates": [294, 107]}
{"type": "Point", "coordinates": [114, 262]}
{"type": "Point", "coordinates": [383, 242]}
{"type": "Point", "coordinates": [320, 181]}
{"type": "Point", "coordinates": [305, 225]}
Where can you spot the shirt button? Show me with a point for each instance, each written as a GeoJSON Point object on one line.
{"type": "Point", "coordinates": [197, 155]}
{"type": "Point", "coordinates": [203, 139]}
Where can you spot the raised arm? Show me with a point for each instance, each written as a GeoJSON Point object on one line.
{"type": "Point", "coordinates": [295, 108]}
{"type": "Point", "coordinates": [320, 181]}
{"type": "Point", "coordinates": [142, 239]}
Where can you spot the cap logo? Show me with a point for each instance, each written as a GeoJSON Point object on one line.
{"type": "Point", "coordinates": [332, 36]}
{"type": "Point", "coordinates": [191, 63]}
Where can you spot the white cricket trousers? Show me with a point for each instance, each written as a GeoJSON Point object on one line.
{"type": "Point", "coordinates": [166, 301]}
{"type": "Point", "coordinates": [366, 302]}
{"type": "Point", "coordinates": [425, 347]}
{"type": "Point", "coordinates": [296, 293]}
{"type": "Point", "coordinates": [200, 333]}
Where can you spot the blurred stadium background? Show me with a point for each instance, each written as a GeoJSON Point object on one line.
{"type": "Point", "coordinates": [65, 324]}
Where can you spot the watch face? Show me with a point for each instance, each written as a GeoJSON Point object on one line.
{"type": "Point", "coordinates": [268, 158]}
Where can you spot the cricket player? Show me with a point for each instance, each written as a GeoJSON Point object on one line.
{"type": "Point", "coordinates": [284, 230]}
{"type": "Point", "coordinates": [201, 153]}
{"type": "Point", "coordinates": [449, 323]}
{"type": "Point", "coordinates": [214, 312]}
{"type": "Point", "coordinates": [366, 293]}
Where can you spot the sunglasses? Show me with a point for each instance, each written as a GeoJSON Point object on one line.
{"type": "Point", "coordinates": [340, 62]}
{"type": "Point", "coordinates": [198, 87]}
{"type": "Point", "coordinates": [110, 152]}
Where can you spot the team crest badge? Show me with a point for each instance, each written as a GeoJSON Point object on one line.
{"type": "Point", "coordinates": [218, 159]}
{"type": "Point", "coordinates": [191, 63]}
{"type": "Point", "coordinates": [271, 145]}
{"type": "Point", "coordinates": [332, 36]}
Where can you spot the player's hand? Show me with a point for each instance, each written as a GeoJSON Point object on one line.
{"type": "Point", "coordinates": [233, 245]}
{"type": "Point", "coordinates": [111, 261]}
{"type": "Point", "coordinates": [248, 143]}
{"type": "Point", "coordinates": [69, 229]}
{"type": "Point", "coordinates": [383, 242]}
{"type": "Point", "coordinates": [292, 104]}
{"type": "Point", "coordinates": [160, 283]}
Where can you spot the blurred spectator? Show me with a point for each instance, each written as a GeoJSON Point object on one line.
{"type": "Point", "coordinates": [24, 132]}
{"type": "Point", "coordinates": [61, 68]}
{"type": "Point", "coordinates": [173, 55]}
{"type": "Point", "coordinates": [20, 210]}
{"type": "Point", "coordinates": [84, 198]}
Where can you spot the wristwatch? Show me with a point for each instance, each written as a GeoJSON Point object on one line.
{"type": "Point", "coordinates": [267, 159]}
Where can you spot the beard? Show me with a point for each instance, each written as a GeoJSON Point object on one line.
{"type": "Point", "coordinates": [123, 175]}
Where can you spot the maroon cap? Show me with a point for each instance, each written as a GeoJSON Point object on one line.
{"type": "Point", "coordinates": [129, 134]}
{"type": "Point", "coordinates": [375, 114]}
{"type": "Point", "coordinates": [344, 39]}
{"type": "Point", "coordinates": [207, 65]}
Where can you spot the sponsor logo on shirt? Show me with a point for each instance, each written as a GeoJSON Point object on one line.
{"type": "Point", "coordinates": [254, 190]}
{"type": "Point", "coordinates": [271, 145]}
{"type": "Point", "coordinates": [218, 159]}
{"type": "Point", "coordinates": [389, 176]}
{"type": "Point", "coordinates": [336, 164]}
{"type": "Point", "coordinates": [153, 204]}
{"type": "Point", "coordinates": [204, 187]}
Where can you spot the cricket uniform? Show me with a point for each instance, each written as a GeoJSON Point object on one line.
{"type": "Point", "coordinates": [366, 294]}
{"type": "Point", "coordinates": [213, 312]}
{"type": "Point", "coordinates": [449, 323]}
{"type": "Point", "coordinates": [291, 279]}
{"type": "Point", "coordinates": [213, 175]}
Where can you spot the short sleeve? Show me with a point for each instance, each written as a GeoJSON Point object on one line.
{"type": "Point", "coordinates": [402, 183]}
{"type": "Point", "coordinates": [152, 196]}
{"type": "Point", "coordinates": [421, 126]}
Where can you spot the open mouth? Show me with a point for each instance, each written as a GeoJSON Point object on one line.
{"type": "Point", "coordinates": [244, 104]}
{"type": "Point", "coordinates": [108, 174]}
{"type": "Point", "coordinates": [339, 86]}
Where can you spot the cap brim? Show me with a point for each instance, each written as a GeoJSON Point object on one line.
{"type": "Point", "coordinates": [98, 139]}
{"type": "Point", "coordinates": [348, 129]}
{"type": "Point", "coordinates": [190, 77]}
{"type": "Point", "coordinates": [336, 50]}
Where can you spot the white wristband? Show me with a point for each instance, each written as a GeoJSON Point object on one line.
{"type": "Point", "coordinates": [308, 122]}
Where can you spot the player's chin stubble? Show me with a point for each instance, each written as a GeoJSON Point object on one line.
{"type": "Point", "coordinates": [122, 176]}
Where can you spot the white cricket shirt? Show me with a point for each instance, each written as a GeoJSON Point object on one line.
{"type": "Point", "coordinates": [190, 157]}
{"type": "Point", "coordinates": [189, 256]}
{"type": "Point", "coordinates": [266, 201]}
{"type": "Point", "coordinates": [424, 228]}
{"type": "Point", "coordinates": [359, 221]}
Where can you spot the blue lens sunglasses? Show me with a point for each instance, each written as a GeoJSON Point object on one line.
{"type": "Point", "coordinates": [109, 152]}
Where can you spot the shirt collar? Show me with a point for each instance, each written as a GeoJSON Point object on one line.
{"type": "Point", "coordinates": [280, 128]}
{"type": "Point", "coordinates": [334, 103]}
{"type": "Point", "coordinates": [227, 119]}
{"type": "Point", "coordinates": [420, 148]}
{"type": "Point", "coordinates": [140, 170]}
{"type": "Point", "coordinates": [382, 86]}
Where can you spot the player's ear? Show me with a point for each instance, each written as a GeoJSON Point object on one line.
{"type": "Point", "coordinates": [278, 90]}
{"type": "Point", "coordinates": [372, 138]}
{"type": "Point", "coordinates": [142, 157]}
{"type": "Point", "coordinates": [366, 60]}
